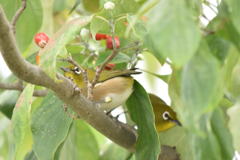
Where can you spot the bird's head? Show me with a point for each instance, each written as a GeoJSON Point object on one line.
{"type": "Point", "coordinates": [165, 117]}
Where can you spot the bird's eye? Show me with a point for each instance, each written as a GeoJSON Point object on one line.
{"type": "Point", "coordinates": [76, 70]}
{"type": "Point", "coordinates": [166, 115]}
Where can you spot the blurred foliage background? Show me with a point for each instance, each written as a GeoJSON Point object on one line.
{"type": "Point", "coordinates": [198, 44]}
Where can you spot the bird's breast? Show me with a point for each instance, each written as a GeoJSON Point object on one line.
{"type": "Point", "coordinates": [113, 92]}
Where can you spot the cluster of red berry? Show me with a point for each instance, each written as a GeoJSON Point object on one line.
{"type": "Point", "coordinates": [109, 45]}
{"type": "Point", "coordinates": [41, 39]}
{"type": "Point", "coordinates": [109, 40]}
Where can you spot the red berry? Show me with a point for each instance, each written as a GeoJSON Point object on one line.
{"type": "Point", "coordinates": [41, 39]}
{"type": "Point", "coordinates": [100, 36]}
{"type": "Point", "coordinates": [109, 66]}
{"type": "Point", "coordinates": [109, 42]}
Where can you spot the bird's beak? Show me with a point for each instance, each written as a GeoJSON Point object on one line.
{"type": "Point", "coordinates": [65, 69]}
{"type": "Point", "coordinates": [176, 121]}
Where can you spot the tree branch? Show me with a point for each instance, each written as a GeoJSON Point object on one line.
{"type": "Point", "coordinates": [19, 87]}
{"type": "Point", "coordinates": [118, 132]}
{"type": "Point", "coordinates": [18, 14]}
{"type": "Point", "coordinates": [168, 153]}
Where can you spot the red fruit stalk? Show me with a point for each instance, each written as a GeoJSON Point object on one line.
{"type": "Point", "coordinates": [37, 59]}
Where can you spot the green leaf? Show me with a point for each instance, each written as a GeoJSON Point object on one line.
{"type": "Point", "coordinates": [74, 48]}
{"type": "Point", "coordinates": [28, 23]}
{"type": "Point", "coordinates": [234, 85]}
{"type": "Point", "coordinates": [56, 45]}
{"type": "Point", "coordinates": [205, 147]}
{"type": "Point", "coordinates": [98, 25]}
{"type": "Point", "coordinates": [6, 137]}
{"type": "Point", "coordinates": [178, 137]}
{"type": "Point", "coordinates": [234, 6]}
{"type": "Point", "coordinates": [165, 78]}
{"type": "Point", "coordinates": [30, 156]}
{"type": "Point", "coordinates": [91, 6]}
{"type": "Point", "coordinates": [81, 143]}
{"type": "Point", "coordinates": [218, 122]}
{"type": "Point", "coordinates": [120, 58]}
{"type": "Point", "coordinates": [21, 123]}
{"type": "Point", "coordinates": [50, 127]}
{"type": "Point", "coordinates": [218, 46]}
{"type": "Point", "coordinates": [230, 72]}
{"type": "Point", "coordinates": [223, 26]}
{"type": "Point", "coordinates": [216, 142]}
{"type": "Point", "coordinates": [233, 124]}
{"type": "Point", "coordinates": [173, 31]}
{"type": "Point", "coordinates": [175, 86]}
{"type": "Point", "coordinates": [122, 7]}
{"type": "Point", "coordinates": [200, 90]}
{"type": "Point", "coordinates": [138, 28]}
{"type": "Point", "coordinates": [141, 112]}
{"type": "Point", "coordinates": [114, 152]}
{"type": "Point", "coordinates": [59, 5]}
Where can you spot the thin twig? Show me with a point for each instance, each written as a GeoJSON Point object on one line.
{"type": "Point", "coordinates": [211, 7]}
{"type": "Point", "coordinates": [102, 18]}
{"type": "Point", "coordinates": [19, 87]}
{"type": "Point", "coordinates": [207, 32]}
{"type": "Point", "coordinates": [130, 46]}
{"type": "Point", "coordinates": [110, 57]}
{"type": "Point", "coordinates": [135, 59]}
{"type": "Point", "coordinates": [18, 14]}
{"type": "Point", "coordinates": [107, 60]}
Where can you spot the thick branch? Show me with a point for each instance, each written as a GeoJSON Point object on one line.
{"type": "Point", "coordinates": [19, 87]}
{"type": "Point", "coordinates": [116, 131]}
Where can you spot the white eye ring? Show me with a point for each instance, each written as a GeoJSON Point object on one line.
{"type": "Point", "coordinates": [76, 70]}
{"type": "Point", "coordinates": [166, 115]}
